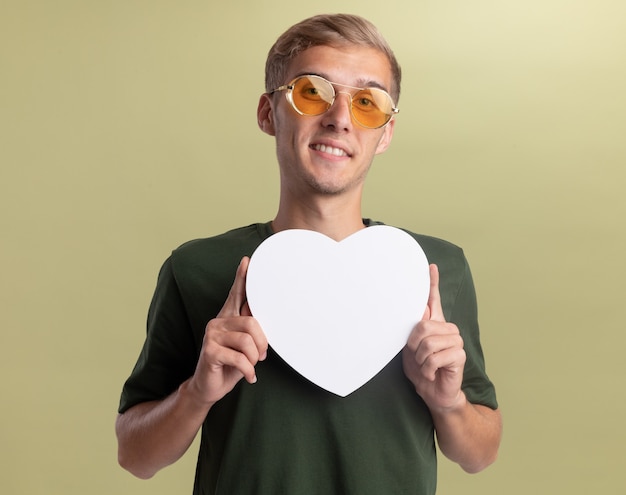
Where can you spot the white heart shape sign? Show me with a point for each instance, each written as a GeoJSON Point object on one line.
{"type": "Point", "coordinates": [338, 312]}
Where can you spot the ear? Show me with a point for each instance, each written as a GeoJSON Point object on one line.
{"type": "Point", "coordinates": [265, 114]}
{"type": "Point", "coordinates": [385, 139]}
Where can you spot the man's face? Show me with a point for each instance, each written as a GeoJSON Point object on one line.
{"type": "Point", "coordinates": [327, 154]}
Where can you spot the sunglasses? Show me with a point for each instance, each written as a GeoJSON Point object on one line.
{"type": "Point", "coordinates": [314, 95]}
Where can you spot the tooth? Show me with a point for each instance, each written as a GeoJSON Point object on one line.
{"type": "Point", "coordinates": [328, 149]}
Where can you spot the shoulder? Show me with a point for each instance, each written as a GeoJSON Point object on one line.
{"type": "Point", "coordinates": [449, 257]}
{"type": "Point", "coordinates": [248, 235]}
{"type": "Point", "coordinates": [438, 251]}
{"type": "Point", "coordinates": [455, 277]}
{"type": "Point", "coordinates": [454, 271]}
{"type": "Point", "coordinates": [233, 244]}
{"type": "Point", "coordinates": [202, 270]}
{"type": "Point", "coordinates": [213, 260]}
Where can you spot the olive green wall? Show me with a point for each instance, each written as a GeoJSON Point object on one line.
{"type": "Point", "coordinates": [128, 127]}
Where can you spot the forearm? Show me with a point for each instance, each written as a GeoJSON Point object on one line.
{"type": "Point", "coordinates": [155, 434]}
{"type": "Point", "coordinates": [469, 434]}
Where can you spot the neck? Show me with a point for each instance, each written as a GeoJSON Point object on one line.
{"type": "Point", "coordinates": [335, 217]}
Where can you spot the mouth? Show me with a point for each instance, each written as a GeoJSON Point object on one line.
{"type": "Point", "coordinates": [331, 150]}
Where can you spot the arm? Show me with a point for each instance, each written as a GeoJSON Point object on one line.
{"type": "Point", "coordinates": [152, 435]}
{"type": "Point", "coordinates": [433, 360]}
{"type": "Point", "coordinates": [469, 434]}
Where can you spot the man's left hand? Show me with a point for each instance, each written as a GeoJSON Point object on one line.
{"type": "Point", "coordinates": [433, 358]}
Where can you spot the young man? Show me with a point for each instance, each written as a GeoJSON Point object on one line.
{"type": "Point", "coordinates": [206, 366]}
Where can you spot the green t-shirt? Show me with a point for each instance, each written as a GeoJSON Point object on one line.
{"type": "Point", "coordinates": [284, 435]}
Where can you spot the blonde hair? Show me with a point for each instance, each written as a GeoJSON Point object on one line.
{"type": "Point", "coordinates": [326, 30]}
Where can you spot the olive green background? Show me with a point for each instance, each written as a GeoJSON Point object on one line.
{"type": "Point", "coordinates": [128, 127]}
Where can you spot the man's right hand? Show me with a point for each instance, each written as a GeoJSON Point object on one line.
{"type": "Point", "coordinates": [152, 435]}
{"type": "Point", "coordinates": [233, 344]}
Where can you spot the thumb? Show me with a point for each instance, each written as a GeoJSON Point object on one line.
{"type": "Point", "coordinates": [237, 295]}
{"type": "Point", "coordinates": [434, 309]}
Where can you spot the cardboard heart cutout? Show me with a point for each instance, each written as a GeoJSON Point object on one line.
{"type": "Point", "coordinates": [338, 312]}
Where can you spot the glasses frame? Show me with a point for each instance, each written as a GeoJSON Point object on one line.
{"type": "Point", "coordinates": [290, 87]}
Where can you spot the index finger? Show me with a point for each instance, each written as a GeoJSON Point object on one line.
{"type": "Point", "coordinates": [237, 295]}
{"type": "Point", "coordinates": [434, 297]}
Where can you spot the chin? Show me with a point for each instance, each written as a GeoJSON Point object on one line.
{"type": "Point", "coordinates": [327, 187]}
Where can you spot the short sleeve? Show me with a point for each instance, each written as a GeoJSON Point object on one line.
{"type": "Point", "coordinates": [464, 313]}
{"type": "Point", "coordinates": [169, 354]}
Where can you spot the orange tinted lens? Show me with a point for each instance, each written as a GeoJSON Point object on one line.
{"type": "Point", "coordinates": [312, 95]}
{"type": "Point", "coordinates": [372, 107]}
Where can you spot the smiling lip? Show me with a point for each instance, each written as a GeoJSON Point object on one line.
{"type": "Point", "coordinates": [332, 150]}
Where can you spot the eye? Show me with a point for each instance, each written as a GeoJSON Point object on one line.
{"type": "Point", "coordinates": [373, 100]}
{"type": "Point", "coordinates": [309, 92]}
{"type": "Point", "coordinates": [364, 101]}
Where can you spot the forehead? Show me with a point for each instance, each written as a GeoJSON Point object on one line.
{"type": "Point", "coordinates": [352, 65]}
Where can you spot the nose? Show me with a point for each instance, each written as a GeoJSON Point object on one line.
{"type": "Point", "coordinates": [339, 115]}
